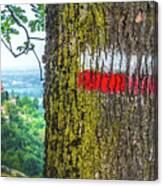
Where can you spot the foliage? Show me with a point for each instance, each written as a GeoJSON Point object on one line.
{"type": "Point", "coordinates": [38, 23]}
{"type": "Point", "coordinates": [23, 135]}
{"type": "Point", "coordinates": [12, 16]}
{"type": "Point", "coordinates": [14, 20]}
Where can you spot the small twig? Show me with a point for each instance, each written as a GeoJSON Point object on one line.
{"type": "Point", "coordinates": [37, 38]}
{"type": "Point", "coordinates": [39, 63]}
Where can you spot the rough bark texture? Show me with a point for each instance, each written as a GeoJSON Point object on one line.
{"type": "Point", "coordinates": [89, 134]}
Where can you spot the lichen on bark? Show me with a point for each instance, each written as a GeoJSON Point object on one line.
{"type": "Point", "coordinates": [89, 134]}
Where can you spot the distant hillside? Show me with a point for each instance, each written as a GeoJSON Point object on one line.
{"type": "Point", "coordinates": [23, 83]}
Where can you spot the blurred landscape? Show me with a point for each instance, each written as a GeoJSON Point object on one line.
{"type": "Point", "coordinates": [23, 83]}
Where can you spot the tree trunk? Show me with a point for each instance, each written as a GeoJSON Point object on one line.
{"type": "Point", "coordinates": [94, 134]}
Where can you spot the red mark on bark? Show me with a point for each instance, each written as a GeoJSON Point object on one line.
{"type": "Point", "coordinates": [115, 83]}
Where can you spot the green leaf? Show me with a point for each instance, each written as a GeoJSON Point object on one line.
{"type": "Point", "coordinates": [24, 19]}
{"type": "Point", "coordinates": [20, 48]}
{"type": "Point", "coordinates": [14, 31]}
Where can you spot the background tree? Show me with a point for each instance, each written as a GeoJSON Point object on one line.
{"type": "Point", "coordinates": [23, 136]}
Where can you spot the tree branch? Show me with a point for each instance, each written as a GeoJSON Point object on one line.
{"type": "Point", "coordinates": [17, 55]}
{"type": "Point", "coordinates": [22, 26]}
{"type": "Point", "coordinates": [10, 49]}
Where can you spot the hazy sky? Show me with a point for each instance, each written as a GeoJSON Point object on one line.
{"type": "Point", "coordinates": [8, 61]}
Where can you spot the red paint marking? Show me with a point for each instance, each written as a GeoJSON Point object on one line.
{"type": "Point", "coordinates": [115, 83]}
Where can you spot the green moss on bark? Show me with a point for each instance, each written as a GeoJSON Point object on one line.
{"type": "Point", "coordinates": [91, 135]}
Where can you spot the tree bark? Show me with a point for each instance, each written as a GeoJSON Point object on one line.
{"type": "Point", "coordinates": [90, 134]}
